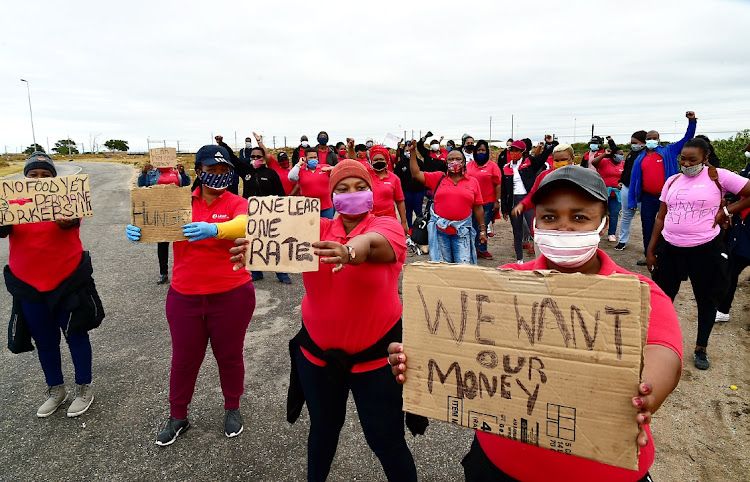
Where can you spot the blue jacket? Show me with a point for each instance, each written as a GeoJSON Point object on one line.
{"type": "Point", "coordinates": [151, 178]}
{"type": "Point", "coordinates": [669, 153]}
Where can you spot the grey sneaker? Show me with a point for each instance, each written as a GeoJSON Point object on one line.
{"type": "Point", "coordinates": [56, 396]}
{"type": "Point", "coordinates": [232, 423]}
{"type": "Point", "coordinates": [171, 431]}
{"type": "Point", "coordinates": [700, 359]}
{"type": "Point", "coordinates": [82, 402]}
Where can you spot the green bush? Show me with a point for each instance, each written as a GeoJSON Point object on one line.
{"type": "Point", "coordinates": [731, 151]}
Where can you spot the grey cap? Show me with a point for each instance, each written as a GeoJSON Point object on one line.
{"type": "Point", "coordinates": [587, 179]}
{"type": "Point", "coordinates": [39, 160]}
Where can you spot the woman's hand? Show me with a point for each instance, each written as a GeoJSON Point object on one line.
{"type": "Point", "coordinates": [326, 168]}
{"type": "Point", "coordinates": [64, 223]}
{"type": "Point", "coordinates": [651, 262]}
{"type": "Point", "coordinates": [645, 402]}
{"type": "Point", "coordinates": [405, 226]}
{"type": "Point", "coordinates": [133, 233]}
{"type": "Point", "coordinates": [608, 151]}
{"type": "Point", "coordinates": [238, 253]}
{"type": "Point", "coordinates": [506, 216]}
{"type": "Point", "coordinates": [180, 168]}
{"type": "Point", "coordinates": [257, 137]}
{"type": "Point", "coordinates": [518, 210]}
{"type": "Point", "coordinates": [397, 361]}
{"type": "Point", "coordinates": [721, 219]}
{"type": "Point", "coordinates": [482, 237]}
{"type": "Point", "coordinates": [412, 147]}
{"type": "Point", "coordinates": [200, 230]}
{"type": "Point", "coordinates": [331, 252]}
{"type": "Point", "coordinates": [496, 207]}
{"type": "Point", "coordinates": [147, 167]}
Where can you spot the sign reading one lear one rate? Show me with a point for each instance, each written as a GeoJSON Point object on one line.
{"type": "Point", "coordinates": [544, 358]}
{"type": "Point", "coordinates": [163, 157]}
{"type": "Point", "coordinates": [160, 212]}
{"type": "Point", "coordinates": [280, 231]}
{"type": "Point", "coordinates": [24, 201]}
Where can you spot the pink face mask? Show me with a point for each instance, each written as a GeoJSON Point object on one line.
{"type": "Point", "coordinates": [455, 166]}
{"type": "Point", "coordinates": [353, 203]}
{"type": "Point", "coordinates": [257, 163]}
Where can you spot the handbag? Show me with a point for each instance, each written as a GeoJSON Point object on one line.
{"type": "Point", "coordinates": [419, 228]}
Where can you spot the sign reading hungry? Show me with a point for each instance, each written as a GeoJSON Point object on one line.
{"type": "Point", "coordinates": [544, 358]}
{"type": "Point", "coordinates": [280, 232]}
{"type": "Point", "coordinates": [163, 157]}
{"type": "Point", "coordinates": [24, 201]}
{"type": "Point", "coordinates": [160, 211]}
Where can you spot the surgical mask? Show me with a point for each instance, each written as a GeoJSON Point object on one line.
{"type": "Point", "coordinates": [568, 249]}
{"type": "Point", "coordinates": [353, 203]}
{"type": "Point", "coordinates": [515, 156]}
{"type": "Point", "coordinates": [312, 163]}
{"type": "Point", "coordinates": [448, 148]}
{"type": "Point", "coordinates": [651, 144]}
{"type": "Point", "coordinates": [455, 166]}
{"type": "Point", "coordinates": [636, 147]}
{"type": "Point", "coordinates": [481, 157]}
{"type": "Point", "coordinates": [304, 144]}
{"type": "Point", "coordinates": [594, 147]}
{"type": "Point", "coordinates": [257, 163]}
{"type": "Point", "coordinates": [217, 181]}
{"type": "Point", "coordinates": [322, 140]}
{"type": "Point", "coordinates": [618, 157]}
{"type": "Point", "coordinates": [248, 145]}
{"type": "Point", "coordinates": [691, 171]}
{"type": "Point", "coordinates": [407, 154]}
{"type": "Point", "coordinates": [379, 165]}
{"type": "Point", "coordinates": [435, 147]}
{"type": "Point", "coordinates": [747, 154]}
{"type": "Point", "coordinates": [369, 144]}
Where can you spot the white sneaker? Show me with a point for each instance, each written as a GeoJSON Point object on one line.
{"type": "Point", "coordinates": [82, 402]}
{"type": "Point", "coordinates": [520, 261]}
{"type": "Point", "coordinates": [56, 396]}
{"type": "Point", "coordinates": [722, 317]}
{"type": "Point", "coordinates": [611, 238]}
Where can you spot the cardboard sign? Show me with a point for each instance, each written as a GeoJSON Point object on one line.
{"type": "Point", "coordinates": [163, 157]}
{"type": "Point", "coordinates": [160, 211]}
{"type": "Point", "coordinates": [281, 231]}
{"type": "Point", "coordinates": [544, 358]}
{"type": "Point", "coordinates": [391, 141]}
{"type": "Point", "coordinates": [24, 201]}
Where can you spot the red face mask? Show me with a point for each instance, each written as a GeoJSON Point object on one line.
{"type": "Point", "coordinates": [362, 155]}
{"type": "Point", "coordinates": [515, 156]}
{"type": "Point", "coordinates": [342, 153]}
{"type": "Point", "coordinates": [455, 166]}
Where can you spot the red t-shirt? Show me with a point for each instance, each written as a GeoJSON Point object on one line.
{"type": "Point", "coordinates": [611, 172]}
{"type": "Point", "coordinates": [323, 156]}
{"type": "Point", "coordinates": [442, 154]}
{"type": "Point", "coordinates": [385, 192]}
{"type": "Point", "coordinates": [352, 309]}
{"type": "Point", "coordinates": [283, 175]}
{"type": "Point", "coordinates": [201, 267]}
{"type": "Point", "coordinates": [530, 463]}
{"type": "Point", "coordinates": [169, 177]}
{"type": "Point", "coordinates": [315, 184]}
{"type": "Point", "coordinates": [454, 201]}
{"type": "Point", "coordinates": [652, 166]}
{"type": "Point", "coordinates": [526, 201]}
{"type": "Point", "coordinates": [488, 176]}
{"type": "Point", "coordinates": [29, 245]}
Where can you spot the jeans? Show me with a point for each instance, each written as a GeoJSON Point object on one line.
{"type": "Point", "coordinates": [45, 328]}
{"type": "Point", "coordinates": [516, 223]}
{"type": "Point", "coordinates": [378, 400]}
{"type": "Point", "coordinates": [649, 209]}
{"type": "Point", "coordinates": [327, 213]}
{"type": "Point", "coordinates": [413, 201]}
{"type": "Point", "coordinates": [614, 214]}
{"type": "Point", "coordinates": [283, 277]}
{"type": "Point", "coordinates": [627, 217]}
{"type": "Point", "coordinates": [453, 248]}
{"type": "Point", "coordinates": [193, 320]}
{"type": "Point", "coordinates": [162, 251]}
{"type": "Point", "coordinates": [488, 215]}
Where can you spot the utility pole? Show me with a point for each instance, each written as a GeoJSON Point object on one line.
{"type": "Point", "coordinates": [165, 143]}
{"type": "Point", "coordinates": [212, 138]}
{"type": "Point", "coordinates": [274, 142]}
{"type": "Point", "coordinates": [490, 129]}
{"type": "Point", "coordinates": [48, 151]}
{"type": "Point", "coordinates": [28, 91]}
{"type": "Point", "coordinates": [512, 123]}
{"type": "Point", "coordinates": [178, 147]}
{"type": "Point", "coordinates": [148, 145]}
{"type": "Point", "coordinates": [592, 130]}
{"type": "Point", "coordinates": [575, 123]}
{"type": "Point", "coordinates": [235, 139]}
{"type": "Point", "coordinates": [284, 142]}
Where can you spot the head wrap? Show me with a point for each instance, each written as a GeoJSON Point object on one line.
{"type": "Point", "coordinates": [348, 168]}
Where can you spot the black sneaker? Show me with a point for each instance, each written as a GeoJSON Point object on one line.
{"type": "Point", "coordinates": [232, 423]}
{"type": "Point", "coordinates": [171, 431]}
{"type": "Point", "coordinates": [700, 359]}
{"type": "Point", "coordinates": [620, 246]}
{"type": "Point", "coordinates": [641, 262]}
{"type": "Point", "coordinates": [162, 279]}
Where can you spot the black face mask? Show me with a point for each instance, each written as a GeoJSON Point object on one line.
{"type": "Point", "coordinates": [379, 165]}
{"type": "Point", "coordinates": [469, 148]}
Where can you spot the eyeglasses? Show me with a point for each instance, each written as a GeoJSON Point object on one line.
{"type": "Point", "coordinates": [256, 157]}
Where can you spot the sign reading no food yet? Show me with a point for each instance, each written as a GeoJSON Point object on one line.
{"type": "Point", "coordinates": [280, 231]}
{"type": "Point", "coordinates": [24, 201]}
{"type": "Point", "coordinates": [160, 212]}
{"type": "Point", "coordinates": [163, 157]}
{"type": "Point", "coordinates": [547, 359]}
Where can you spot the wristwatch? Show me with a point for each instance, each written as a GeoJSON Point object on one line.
{"type": "Point", "coordinates": [352, 254]}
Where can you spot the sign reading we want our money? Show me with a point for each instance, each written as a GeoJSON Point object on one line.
{"type": "Point", "coordinates": [24, 201]}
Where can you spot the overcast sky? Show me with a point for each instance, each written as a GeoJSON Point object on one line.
{"type": "Point", "coordinates": [185, 70]}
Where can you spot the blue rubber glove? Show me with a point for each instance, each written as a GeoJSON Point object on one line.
{"type": "Point", "coordinates": [133, 233]}
{"type": "Point", "coordinates": [200, 230]}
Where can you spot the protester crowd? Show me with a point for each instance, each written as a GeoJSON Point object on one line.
{"type": "Point", "coordinates": [379, 205]}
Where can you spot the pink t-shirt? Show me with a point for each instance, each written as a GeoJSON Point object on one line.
{"type": "Point", "coordinates": [692, 204]}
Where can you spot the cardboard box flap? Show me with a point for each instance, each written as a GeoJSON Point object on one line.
{"type": "Point", "coordinates": [161, 211]}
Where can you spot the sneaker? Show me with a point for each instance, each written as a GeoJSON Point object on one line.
{"type": "Point", "coordinates": [56, 396]}
{"type": "Point", "coordinates": [232, 423]}
{"type": "Point", "coordinates": [82, 402]}
{"type": "Point", "coordinates": [490, 234]}
{"type": "Point", "coordinates": [162, 279]}
{"type": "Point", "coordinates": [700, 359]}
{"type": "Point", "coordinates": [722, 317]}
{"type": "Point", "coordinates": [520, 261]}
{"type": "Point", "coordinates": [620, 246]}
{"type": "Point", "coordinates": [256, 278]}
{"type": "Point", "coordinates": [484, 254]}
{"type": "Point", "coordinates": [611, 238]}
{"type": "Point", "coordinates": [286, 280]}
{"type": "Point", "coordinates": [171, 431]}
{"type": "Point", "coordinates": [641, 262]}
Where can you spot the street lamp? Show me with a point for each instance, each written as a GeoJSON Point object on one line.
{"type": "Point", "coordinates": [28, 91]}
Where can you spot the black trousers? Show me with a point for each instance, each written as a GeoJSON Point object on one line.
{"type": "Point", "coordinates": [162, 251]}
{"type": "Point", "coordinates": [737, 263]}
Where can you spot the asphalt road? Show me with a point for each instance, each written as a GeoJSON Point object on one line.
{"type": "Point", "coordinates": [114, 440]}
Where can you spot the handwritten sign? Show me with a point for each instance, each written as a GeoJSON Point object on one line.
{"type": "Point", "coordinates": [281, 231]}
{"type": "Point", "coordinates": [163, 157]}
{"type": "Point", "coordinates": [160, 211]}
{"type": "Point", "coordinates": [24, 201]}
{"type": "Point", "coordinates": [543, 358]}
{"type": "Point", "coordinates": [391, 141]}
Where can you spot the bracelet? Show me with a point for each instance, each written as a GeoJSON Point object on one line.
{"type": "Point", "coordinates": [726, 211]}
{"type": "Point", "coordinates": [350, 253]}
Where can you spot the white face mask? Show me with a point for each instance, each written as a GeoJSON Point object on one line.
{"type": "Point", "coordinates": [691, 171]}
{"type": "Point", "coordinates": [747, 154]}
{"type": "Point", "coordinates": [369, 144]}
{"type": "Point", "coordinates": [568, 249]}
{"type": "Point", "coordinates": [435, 147]}
{"type": "Point", "coordinates": [304, 144]}
{"type": "Point", "coordinates": [248, 145]}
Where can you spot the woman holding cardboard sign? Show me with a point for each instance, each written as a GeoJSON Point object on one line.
{"type": "Point", "coordinates": [571, 212]}
{"type": "Point", "coordinates": [336, 352]}
{"type": "Point", "coordinates": [207, 301]}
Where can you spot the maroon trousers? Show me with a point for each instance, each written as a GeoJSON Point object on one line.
{"type": "Point", "coordinates": [193, 320]}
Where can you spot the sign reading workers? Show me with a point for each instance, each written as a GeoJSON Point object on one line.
{"type": "Point", "coordinates": [160, 212]}
{"type": "Point", "coordinates": [543, 358]}
{"type": "Point", "coordinates": [24, 201]}
{"type": "Point", "coordinates": [163, 157]}
{"type": "Point", "coordinates": [280, 231]}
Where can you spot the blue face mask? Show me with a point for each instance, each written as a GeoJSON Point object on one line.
{"type": "Point", "coordinates": [448, 148]}
{"type": "Point", "coordinates": [651, 144]}
{"type": "Point", "coordinates": [322, 141]}
{"type": "Point", "coordinates": [312, 163]}
{"type": "Point", "coordinates": [618, 157]}
{"type": "Point", "coordinates": [217, 181]}
{"type": "Point", "coordinates": [594, 147]}
{"type": "Point", "coordinates": [481, 157]}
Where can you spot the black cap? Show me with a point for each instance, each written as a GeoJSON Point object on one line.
{"type": "Point", "coordinates": [283, 155]}
{"type": "Point", "coordinates": [587, 179]}
{"type": "Point", "coordinates": [210, 155]}
{"type": "Point", "coordinates": [595, 140]}
{"type": "Point", "coordinates": [39, 160]}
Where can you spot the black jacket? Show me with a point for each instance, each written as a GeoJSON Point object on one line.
{"type": "Point", "coordinates": [76, 295]}
{"type": "Point", "coordinates": [263, 181]}
{"type": "Point", "coordinates": [530, 168]}
{"type": "Point", "coordinates": [403, 170]}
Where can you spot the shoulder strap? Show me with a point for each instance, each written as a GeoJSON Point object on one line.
{"type": "Point", "coordinates": [437, 186]}
{"type": "Point", "coordinates": [673, 181]}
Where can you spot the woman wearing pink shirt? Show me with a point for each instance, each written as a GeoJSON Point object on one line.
{"type": "Point", "coordinates": [686, 241]}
